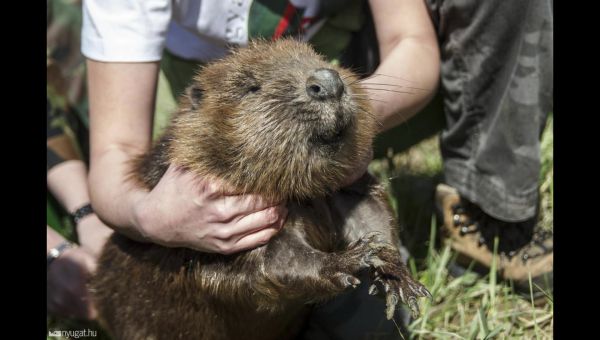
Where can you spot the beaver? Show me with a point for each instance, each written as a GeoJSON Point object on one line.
{"type": "Point", "coordinates": [275, 119]}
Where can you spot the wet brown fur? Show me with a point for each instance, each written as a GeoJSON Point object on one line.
{"type": "Point", "coordinates": [248, 121]}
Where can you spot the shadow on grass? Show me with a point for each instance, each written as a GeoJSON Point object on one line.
{"type": "Point", "coordinates": [414, 196]}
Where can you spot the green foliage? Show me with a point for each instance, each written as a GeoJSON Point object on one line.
{"type": "Point", "coordinates": [58, 219]}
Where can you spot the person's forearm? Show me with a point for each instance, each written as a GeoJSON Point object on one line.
{"type": "Point", "coordinates": [68, 183]}
{"type": "Point", "coordinates": [121, 99]}
{"type": "Point", "coordinates": [412, 67]}
{"type": "Point", "coordinates": [410, 60]}
{"type": "Point", "coordinates": [113, 196]}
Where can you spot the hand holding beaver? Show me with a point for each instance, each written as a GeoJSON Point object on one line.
{"type": "Point", "coordinates": [209, 219]}
{"type": "Point", "coordinates": [184, 210]}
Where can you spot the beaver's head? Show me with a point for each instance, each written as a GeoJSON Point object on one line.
{"type": "Point", "coordinates": [276, 119]}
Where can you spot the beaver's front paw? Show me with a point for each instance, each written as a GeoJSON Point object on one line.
{"type": "Point", "coordinates": [398, 285]}
{"type": "Point", "coordinates": [342, 268]}
{"type": "Point", "coordinates": [405, 290]}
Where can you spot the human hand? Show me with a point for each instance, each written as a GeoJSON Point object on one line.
{"type": "Point", "coordinates": [185, 211]}
{"type": "Point", "coordinates": [67, 293]}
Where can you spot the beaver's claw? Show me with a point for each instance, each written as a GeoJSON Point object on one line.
{"type": "Point", "coordinates": [404, 290]}
{"type": "Point", "coordinates": [391, 275]}
{"type": "Point", "coordinates": [342, 268]}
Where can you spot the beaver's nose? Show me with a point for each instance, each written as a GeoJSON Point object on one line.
{"type": "Point", "coordinates": [324, 83]}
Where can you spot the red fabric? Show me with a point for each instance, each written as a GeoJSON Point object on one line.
{"type": "Point", "coordinates": [285, 21]}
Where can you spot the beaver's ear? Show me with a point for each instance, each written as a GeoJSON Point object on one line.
{"type": "Point", "coordinates": [194, 94]}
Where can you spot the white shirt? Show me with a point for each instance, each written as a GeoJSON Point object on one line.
{"type": "Point", "coordinates": [139, 30]}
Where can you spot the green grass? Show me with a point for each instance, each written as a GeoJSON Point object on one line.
{"type": "Point", "coordinates": [473, 306]}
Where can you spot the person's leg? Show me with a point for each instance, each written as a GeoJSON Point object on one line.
{"type": "Point", "coordinates": [497, 83]}
{"type": "Point", "coordinates": [355, 315]}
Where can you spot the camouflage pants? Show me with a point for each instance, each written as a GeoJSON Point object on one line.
{"type": "Point", "coordinates": [497, 83]}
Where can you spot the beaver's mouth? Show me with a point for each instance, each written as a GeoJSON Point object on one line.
{"type": "Point", "coordinates": [331, 136]}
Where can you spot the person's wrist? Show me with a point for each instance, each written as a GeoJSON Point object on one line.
{"type": "Point", "coordinates": [133, 216]}
{"type": "Point", "coordinates": [121, 214]}
{"type": "Point", "coordinates": [139, 214]}
{"type": "Point", "coordinates": [84, 211]}
{"type": "Point", "coordinates": [92, 234]}
{"type": "Point", "coordinates": [90, 223]}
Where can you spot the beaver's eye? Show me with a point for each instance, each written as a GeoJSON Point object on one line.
{"type": "Point", "coordinates": [253, 89]}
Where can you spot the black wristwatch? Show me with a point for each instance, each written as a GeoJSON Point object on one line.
{"type": "Point", "coordinates": [82, 212]}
